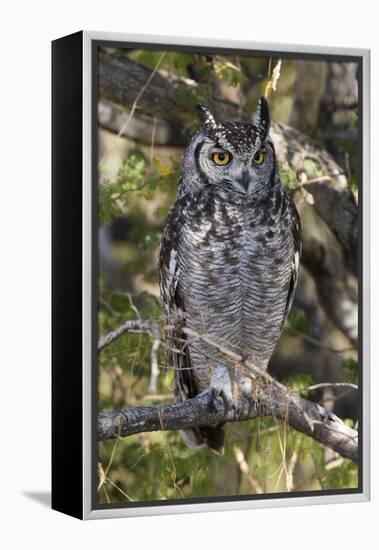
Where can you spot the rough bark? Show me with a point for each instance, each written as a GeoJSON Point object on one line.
{"type": "Point", "coordinates": [269, 398]}
{"type": "Point", "coordinates": [204, 410]}
{"type": "Point", "coordinates": [309, 89]}
{"type": "Point", "coordinates": [140, 127]}
{"type": "Point", "coordinates": [121, 79]}
{"type": "Point", "coordinates": [120, 82]}
{"type": "Point", "coordinates": [339, 211]}
{"type": "Point", "coordinates": [336, 286]}
{"type": "Point", "coordinates": [339, 110]}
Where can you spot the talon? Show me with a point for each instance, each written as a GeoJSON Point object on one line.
{"type": "Point", "coordinates": [242, 407]}
{"type": "Point", "coordinates": [214, 398]}
{"type": "Point", "coordinates": [328, 416]}
{"type": "Point", "coordinates": [220, 386]}
{"type": "Point", "coordinates": [237, 399]}
{"type": "Point", "coordinates": [246, 404]}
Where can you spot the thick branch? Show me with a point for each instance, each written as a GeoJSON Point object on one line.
{"type": "Point", "coordinates": [270, 398]}
{"type": "Point", "coordinates": [203, 410]}
{"type": "Point", "coordinates": [140, 127]}
{"type": "Point", "coordinates": [121, 79]}
{"type": "Point", "coordinates": [120, 83]}
{"type": "Point", "coordinates": [339, 211]}
{"type": "Point", "coordinates": [336, 286]}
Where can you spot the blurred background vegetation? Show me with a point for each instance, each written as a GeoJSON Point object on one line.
{"type": "Point", "coordinates": [146, 114]}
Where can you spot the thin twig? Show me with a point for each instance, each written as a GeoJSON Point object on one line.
{"type": "Point", "coordinates": [133, 326]}
{"type": "Point", "coordinates": [291, 468]}
{"type": "Point", "coordinates": [317, 342]}
{"type": "Point", "coordinates": [135, 102]}
{"type": "Point", "coordinates": [154, 373]}
{"type": "Point", "coordinates": [318, 179]}
{"type": "Point", "coordinates": [133, 306]}
{"type": "Point", "coordinates": [245, 366]}
{"type": "Point", "coordinates": [329, 385]}
{"type": "Point", "coordinates": [245, 470]}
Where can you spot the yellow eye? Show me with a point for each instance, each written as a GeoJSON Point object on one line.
{"type": "Point", "coordinates": [222, 158]}
{"type": "Point", "coordinates": [259, 157]}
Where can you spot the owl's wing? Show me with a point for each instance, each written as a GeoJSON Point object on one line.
{"type": "Point", "coordinates": [177, 352]}
{"type": "Point", "coordinates": [296, 233]}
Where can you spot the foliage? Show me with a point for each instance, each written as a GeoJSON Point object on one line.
{"type": "Point", "coordinates": [300, 384]}
{"type": "Point", "coordinates": [228, 71]}
{"type": "Point", "coordinates": [312, 168]}
{"type": "Point", "coordinates": [298, 320]}
{"type": "Point", "coordinates": [350, 367]}
{"type": "Point", "coordinates": [137, 178]}
{"type": "Point", "coordinates": [114, 195]}
{"type": "Point", "coordinates": [187, 98]}
{"type": "Point", "coordinates": [288, 177]}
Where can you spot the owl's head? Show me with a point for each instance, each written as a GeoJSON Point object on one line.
{"type": "Point", "coordinates": [235, 157]}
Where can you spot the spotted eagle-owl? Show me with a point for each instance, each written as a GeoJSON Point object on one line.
{"type": "Point", "coordinates": [228, 261]}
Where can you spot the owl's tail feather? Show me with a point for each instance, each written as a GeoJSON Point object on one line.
{"type": "Point", "coordinates": [213, 437]}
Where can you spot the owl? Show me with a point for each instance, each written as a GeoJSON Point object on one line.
{"type": "Point", "coordinates": [228, 261]}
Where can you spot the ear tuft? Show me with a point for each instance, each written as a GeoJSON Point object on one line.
{"type": "Point", "coordinates": [205, 116]}
{"type": "Point", "coordinates": [262, 117]}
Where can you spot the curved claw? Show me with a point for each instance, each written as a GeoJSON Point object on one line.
{"type": "Point", "coordinates": [239, 401]}
{"type": "Point", "coordinates": [329, 416]}
{"type": "Point", "coordinates": [244, 406]}
{"type": "Point", "coordinates": [221, 386]}
{"type": "Point", "coordinates": [214, 401]}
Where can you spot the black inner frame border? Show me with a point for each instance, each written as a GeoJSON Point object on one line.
{"type": "Point", "coordinates": [95, 45]}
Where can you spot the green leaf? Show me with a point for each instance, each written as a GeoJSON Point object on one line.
{"type": "Point", "coordinates": [298, 320]}
{"type": "Point", "coordinates": [224, 69]}
{"type": "Point", "coordinates": [312, 167]}
{"type": "Point", "coordinates": [299, 383]}
{"type": "Point", "coordinates": [288, 177]}
{"type": "Point", "coordinates": [350, 368]}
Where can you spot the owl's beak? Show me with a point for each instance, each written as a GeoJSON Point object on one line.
{"type": "Point", "coordinates": [244, 180]}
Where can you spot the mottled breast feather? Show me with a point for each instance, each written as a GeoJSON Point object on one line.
{"type": "Point", "coordinates": [227, 269]}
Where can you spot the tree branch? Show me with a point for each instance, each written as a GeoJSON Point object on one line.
{"type": "Point", "coordinates": [270, 398]}
{"type": "Point", "coordinates": [204, 410]}
{"type": "Point", "coordinates": [339, 211]}
{"type": "Point", "coordinates": [135, 327]}
{"type": "Point", "coordinates": [121, 81]}
{"type": "Point", "coordinates": [336, 286]}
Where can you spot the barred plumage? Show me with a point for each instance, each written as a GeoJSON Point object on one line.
{"type": "Point", "coordinates": [229, 258]}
